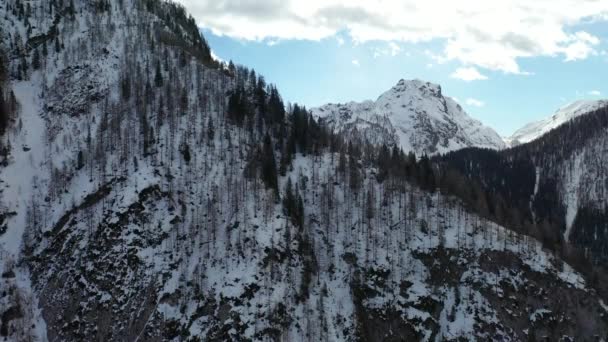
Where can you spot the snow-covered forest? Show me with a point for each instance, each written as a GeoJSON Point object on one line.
{"type": "Point", "coordinates": [150, 192]}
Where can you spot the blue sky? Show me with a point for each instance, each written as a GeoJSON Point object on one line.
{"type": "Point", "coordinates": [510, 74]}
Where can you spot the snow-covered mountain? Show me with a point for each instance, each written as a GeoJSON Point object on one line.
{"type": "Point", "coordinates": [534, 130]}
{"type": "Point", "coordinates": [149, 194]}
{"type": "Point", "coordinates": [414, 115]}
{"type": "Point", "coordinates": [557, 179]}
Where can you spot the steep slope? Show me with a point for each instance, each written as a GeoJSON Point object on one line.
{"type": "Point", "coordinates": [555, 186]}
{"type": "Point", "coordinates": [140, 207]}
{"type": "Point", "coordinates": [534, 130]}
{"type": "Point", "coordinates": [414, 115]}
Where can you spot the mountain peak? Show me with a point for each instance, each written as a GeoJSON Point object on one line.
{"type": "Point", "coordinates": [417, 85]}
{"type": "Point", "coordinates": [413, 114]}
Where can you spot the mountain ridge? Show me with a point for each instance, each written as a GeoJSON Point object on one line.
{"type": "Point", "coordinates": [534, 130]}
{"type": "Point", "coordinates": [187, 204]}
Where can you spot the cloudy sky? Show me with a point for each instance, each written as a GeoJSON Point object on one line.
{"type": "Point", "coordinates": [506, 61]}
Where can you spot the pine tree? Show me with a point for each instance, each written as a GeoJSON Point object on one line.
{"type": "Point", "coordinates": [238, 106]}
{"type": "Point", "coordinates": [300, 211]}
{"type": "Point", "coordinates": [269, 167]}
{"type": "Point", "coordinates": [158, 77]}
{"type": "Point", "coordinates": [184, 100]}
{"type": "Point", "coordinates": [260, 95]}
{"type": "Point", "coordinates": [125, 87]}
{"type": "Point", "coordinates": [24, 67]}
{"type": "Point", "coordinates": [57, 45]}
{"type": "Point", "coordinates": [210, 131]}
{"type": "Point", "coordinates": [342, 164]}
{"type": "Point", "coordinates": [384, 163]}
{"type": "Point", "coordinates": [252, 79]}
{"type": "Point", "coordinates": [186, 153]}
{"type": "Point", "coordinates": [4, 113]}
{"type": "Point", "coordinates": [276, 108]}
{"type": "Point", "coordinates": [369, 205]}
{"type": "Point", "coordinates": [354, 176]}
{"type": "Point", "coordinates": [36, 60]}
{"type": "Point", "coordinates": [80, 160]}
{"type": "Point", "coordinates": [289, 201]}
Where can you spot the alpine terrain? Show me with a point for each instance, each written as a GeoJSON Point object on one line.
{"type": "Point", "coordinates": [534, 130]}
{"type": "Point", "coordinates": [415, 116]}
{"type": "Point", "coordinates": [149, 192]}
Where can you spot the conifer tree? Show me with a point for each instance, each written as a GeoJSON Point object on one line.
{"type": "Point", "coordinates": [4, 113]}
{"type": "Point", "coordinates": [210, 131]}
{"type": "Point", "coordinates": [158, 76]}
{"type": "Point", "coordinates": [289, 201]}
{"type": "Point", "coordinates": [354, 176]}
{"type": "Point", "coordinates": [57, 45]}
{"type": "Point", "coordinates": [269, 167]}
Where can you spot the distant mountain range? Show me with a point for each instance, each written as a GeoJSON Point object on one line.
{"type": "Point", "coordinates": [418, 117]}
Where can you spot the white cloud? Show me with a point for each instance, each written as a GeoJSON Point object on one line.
{"type": "Point", "coordinates": [355, 62]}
{"type": "Point", "coordinates": [581, 46]}
{"type": "Point", "coordinates": [468, 74]}
{"type": "Point", "coordinates": [492, 35]}
{"type": "Point", "coordinates": [395, 49]}
{"type": "Point", "coordinates": [474, 102]}
{"type": "Point", "coordinates": [392, 49]}
{"type": "Point", "coordinates": [340, 40]}
{"type": "Point", "coordinates": [595, 93]}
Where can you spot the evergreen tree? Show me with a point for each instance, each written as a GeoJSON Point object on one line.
{"type": "Point", "coordinates": [158, 76]}
{"type": "Point", "coordinates": [354, 176]}
{"type": "Point", "coordinates": [238, 106]}
{"type": "Point", "coordinates": [24, 67]}
{"type": "Point", "coordinates": [300, 211]}
{"type": "Point", "coordinates": [369, 205]}
{"type": "Point", "coordinates": [276, 108]}
{"type": "Point", "coordinates": [289, 200]}
{"type": "Point", "coordinates": [260, 95]}
{"type": "Point", "coordinates": [184, 100]}
{"type": "Point", "coordinates": [210, 131]}
{"type": "Point", "coordinates": [57, 45]}
{"type": "Point", "coordinates": [186, 153]}
{"type": "Point", "coordinates": [269, 167]}
{"type": "Point", "coordinates": [125, 87]}
{"type": "Point", "coordinates": [80, 160]}
{"type": "Point", "coordinates": [384, 163]}
{"type": "Point", "coordinates": [4, 113]}
{"type": "Point", "coordinates": [342, 164]}
{"type": "Point", "coordinates": [252, 79]}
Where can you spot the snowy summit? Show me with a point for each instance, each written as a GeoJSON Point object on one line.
{"type": "Point", "coordinates": [534, 130]}
{"type": "Point", "coordinates": [413, 114]}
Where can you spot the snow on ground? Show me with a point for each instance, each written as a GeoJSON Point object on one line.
{"type": "Point", "coordinates": [571, 192]}
{"type": "Point", "coordinates": [23, 179]}
{"type": "Point", "coordinates": [26, 170]}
